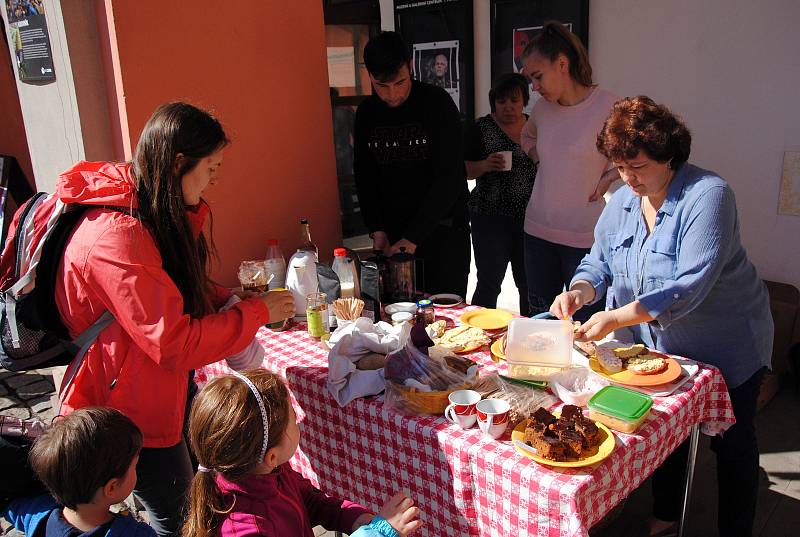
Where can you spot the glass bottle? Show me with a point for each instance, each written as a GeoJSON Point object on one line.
{"type": "Point", "coordinates": [306, 244]}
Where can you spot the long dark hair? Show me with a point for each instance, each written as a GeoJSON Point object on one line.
{"type": "Point", "coordinates": [555, 39]}
{"type": "Point", "coordinates": [172, 129]}
{"type": "Point", "coordinates": [226, 434]}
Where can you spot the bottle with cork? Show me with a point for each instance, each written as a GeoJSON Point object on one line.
{"type": "Point", "coordinates": [306, 244]}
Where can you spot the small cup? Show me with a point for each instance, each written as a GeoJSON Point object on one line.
{"type": "Point", "coordinates": [461, 409]}
{"type": "Point", "coordinates": [401, 317]}
{"type": "Point", "coordinates": [253, 276]}
{"type": "Point", "coordinates": [506, 160]}
{"type": "Point", "coordinates": [493, 416]}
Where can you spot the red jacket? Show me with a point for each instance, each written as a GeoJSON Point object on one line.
{"type": "Point", "coordinates": [282, 504]}
{"type": "Point", "coordinates": [111, 262]}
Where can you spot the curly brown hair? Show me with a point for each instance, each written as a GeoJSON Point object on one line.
{"type": "Point", "coordinates": [639, 124]}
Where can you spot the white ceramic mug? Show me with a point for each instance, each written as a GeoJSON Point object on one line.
{"type": "Point", "coordinates": [493, 416]}
{"type": "Point", "coordinates": [461, 409]}
{"type": "Point", "coordinates": [506, 160]}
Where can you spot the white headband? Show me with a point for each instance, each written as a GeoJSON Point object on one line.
{"type": "Point", "coordinates": [261, 408]}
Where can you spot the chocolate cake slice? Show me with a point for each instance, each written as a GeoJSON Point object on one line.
{"type": "Point", "coordinates": [543, 416]}
{"type": "Point", "coordinates": [590, 432]}
{"type": "Point", "coordinates": [549, 447]}
{"type": "Point", "coordinates": [571, 413]}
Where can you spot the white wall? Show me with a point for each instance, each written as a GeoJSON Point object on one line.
{"type": "Point", "coordinates": [731, 69]}
{"type": "Point", "coordinates": [50, 111]}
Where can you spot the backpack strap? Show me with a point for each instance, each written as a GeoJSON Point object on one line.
{"type": "Point", "coordinates": [84, 341]}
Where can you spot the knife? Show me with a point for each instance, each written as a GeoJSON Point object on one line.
{"type": "Point", "coordinates": [525, 447]}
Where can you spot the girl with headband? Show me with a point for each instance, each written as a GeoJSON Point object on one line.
{"type": "Point", "coordinates": [243, 430]}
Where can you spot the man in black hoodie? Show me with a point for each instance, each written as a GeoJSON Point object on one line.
{"type": "Point", "coordinates": [409, 168]}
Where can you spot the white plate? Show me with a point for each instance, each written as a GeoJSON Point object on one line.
{"type": "Point", "coordinates": [391, 309]}
{"type": "Point", "coordinates": [446, 300]}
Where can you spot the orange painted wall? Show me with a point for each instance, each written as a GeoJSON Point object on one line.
{"type": "Point", "coordinates": [13, 140]}
{"type": "Point", "coordinates": [261, 68]}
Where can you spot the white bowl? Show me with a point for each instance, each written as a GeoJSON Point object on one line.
{"type": "Point", "coordinates": [409, 307]}
{"type": "Point", "coordinates": [576, 385]}
{"type": "Point", "coordinates": [401, 317]}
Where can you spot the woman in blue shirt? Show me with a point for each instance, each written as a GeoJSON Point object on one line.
{"type": "Point", "coordinates": [668, 249]}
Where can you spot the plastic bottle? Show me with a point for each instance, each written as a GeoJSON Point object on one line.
{"type": "Point", "coordinates": [346, 271]}
{"type": "Point", "coordinates": [275, 265]}
{"type": "Point", "coordinates": [306, 244]}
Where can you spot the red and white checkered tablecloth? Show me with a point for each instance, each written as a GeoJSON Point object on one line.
{"type": "Point", "coordinates": [465, 483]}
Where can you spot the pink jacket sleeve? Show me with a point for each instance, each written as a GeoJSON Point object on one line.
{"type": "Point", "coordinates": [323, 510]}
{"type": "Point", "coordinates": [124, 269]}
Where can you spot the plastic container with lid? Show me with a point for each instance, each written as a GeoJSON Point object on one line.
{"type": "Point", "coordinates": [275, 265]}
{"type": "Point", "coordinates": [538, 348]}
{"type": "Point", "coordinates": [346, 271]}
{"type": "Point", "coordinates": [619, 408]}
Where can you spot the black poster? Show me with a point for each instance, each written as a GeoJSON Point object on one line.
{"type": "Point", "coordinates": [515, 22]}
{"type": "Point", "coordinates": [30, 40]}
{"type": "Point", "coordinates": [439, 33]}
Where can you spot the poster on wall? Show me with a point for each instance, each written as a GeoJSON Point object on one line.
{"type": "Point", "coordinates": [439, 33]}
{"type": "Point", "coordinates": [437, 63]}
{"type": "Point", "coordinates": [30, 40]}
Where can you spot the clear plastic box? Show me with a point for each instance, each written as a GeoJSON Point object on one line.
{"type": "Point", "coordinates": [537, 348]}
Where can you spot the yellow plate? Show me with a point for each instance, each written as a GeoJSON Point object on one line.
{"type": "Point", "coordinates": [497, 349]}
{"type": "Point", "coordinates": [603, 450]}
{"type": "Point", "coordinates": [629, 378]}
{"type": "Point", "coordinates": [488, 319]}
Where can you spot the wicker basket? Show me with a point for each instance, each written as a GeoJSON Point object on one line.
{"type": "Point", "coordinates": [419, 402]}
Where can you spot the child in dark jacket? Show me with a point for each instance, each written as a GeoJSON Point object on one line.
{"type": "Point", "coordinates": [243, 431]}
{"type": "Point", "coordinates": [87, 460]}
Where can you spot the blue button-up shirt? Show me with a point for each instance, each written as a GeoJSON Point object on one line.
{"type": "Point", "coordinates": [691, 273]}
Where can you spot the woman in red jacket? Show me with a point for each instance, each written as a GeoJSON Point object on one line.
{"type": "Point", "coordinates": [141, 254]}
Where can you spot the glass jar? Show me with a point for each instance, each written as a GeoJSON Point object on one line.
{"type": "Point", "coordinates": [279, 326]}
{"type": "Point", "coordinates": [425, 312]}
{"type": "Point", "coordinates": [317, 314]}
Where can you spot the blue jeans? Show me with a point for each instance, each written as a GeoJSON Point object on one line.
{"type": "Point", "coordinates": [496, 242]}
{"type": "Point", "coordinates": [549, 268]}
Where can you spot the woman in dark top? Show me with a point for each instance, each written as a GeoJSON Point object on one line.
{"type": "Point", "coordinates": [497, 203]}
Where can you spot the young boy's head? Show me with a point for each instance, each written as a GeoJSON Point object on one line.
{"type": "Point", "coordinates": [89, 455]}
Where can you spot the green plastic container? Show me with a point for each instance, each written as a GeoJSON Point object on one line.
{"type": "Point", "coordinates": [619, 408]}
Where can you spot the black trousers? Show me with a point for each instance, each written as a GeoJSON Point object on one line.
{"type": "Point", "coordinates": [496, 242]}
{"type": "Point", "coordinates": [737, 468]}
{"type": "Point", "coordinates": [549, 268]}
{"type": "Point", "coordinates": [164, 475]}
{"type": "Point", "coordinates": [445, 256]}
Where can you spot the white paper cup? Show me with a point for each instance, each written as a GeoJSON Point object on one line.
{"type": "Point", "coordinates": [493, 416]}
{"type": "Point", "coordinates": [506, 160]}
{"type": "Point", "coordinates": [461, 409]}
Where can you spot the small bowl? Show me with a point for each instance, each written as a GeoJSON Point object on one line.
{"type": "Point", "coordinates": [576, 385]}
{"type": "Point", "coordinates": [397, 307]}
{"type": "Point", "coordinates": [402, 317]}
